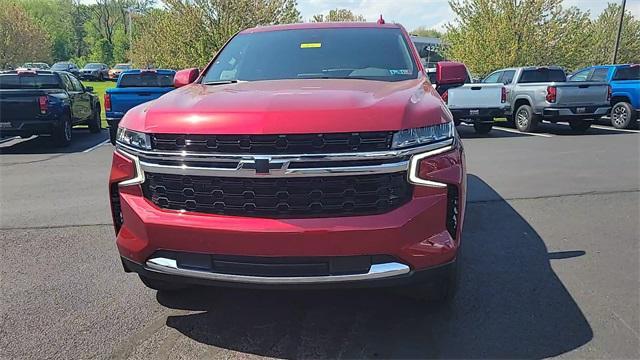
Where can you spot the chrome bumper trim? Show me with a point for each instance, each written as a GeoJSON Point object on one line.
{"type": "Point", "coordinates": [377, 271]}
{"type": "Point", "coordinates": [238, 171]}
{"type": "Point", "coordinates": [151, 155]}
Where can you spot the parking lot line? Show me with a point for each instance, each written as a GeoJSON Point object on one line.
{"type": "Point", "coordinates": [521, 132]}
{"type": "Point", "coordinates": [614, 129]}
{"type": "Point", "coordinates": [96, 146]}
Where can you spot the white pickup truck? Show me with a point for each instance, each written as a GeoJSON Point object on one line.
{"type": "Point", "coordinates": [473, 103]}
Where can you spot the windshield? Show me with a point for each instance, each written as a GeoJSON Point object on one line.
{"type": "Point", "coordinates": [358, 53]}
{"type": "Point", "coordinates": [146, 79]}
{"type": "Point", "coordinates": [60, 66]}
{"type": "Point", "coordinates": [29, 81]}
{"type": "Point", "coordinates": [92, 66]}
{"type": "Point", "coordinates": [122, 67]}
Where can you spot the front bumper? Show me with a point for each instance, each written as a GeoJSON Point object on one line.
{"type": "Point", "coordinates": [415, 235]}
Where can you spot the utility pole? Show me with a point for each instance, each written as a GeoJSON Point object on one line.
{"type": "Point", "coordinates": [615, 49]}
{"type": "Point", "coordinates": [129, 11]}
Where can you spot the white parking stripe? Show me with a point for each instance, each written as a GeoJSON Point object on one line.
{"type": "Point", "coordinates": [614, 129]}
{"type": "Point", "coordinates": [521, 132]}
{"type": "Point", "coordinates": [95, 147]}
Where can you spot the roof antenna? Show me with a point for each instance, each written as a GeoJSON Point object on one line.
{"type": "Point", "coordinates": [381, 20]}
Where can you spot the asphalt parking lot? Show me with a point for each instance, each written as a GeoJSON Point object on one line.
{"type": "Point", "coordinates": [551, 267]}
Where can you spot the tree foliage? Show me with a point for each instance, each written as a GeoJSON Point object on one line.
{"type": "Point", "coordinates": [22, 38]}
{"type": "Point", "coordinates": [189, 32]}
{"type": "Point", "coordinates": [603, 31]}
{"type": "Point", "coordinates": [426, 32]}
{"type": "Point", "coordinates": [338, 15]}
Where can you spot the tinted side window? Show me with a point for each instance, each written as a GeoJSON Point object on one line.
{"type": "Point", "coordinates": [599, 74]}
{"type": "Point", "coordinates": [507, 77]}
{"type": "Point", "coordinates": [627, 73]}
{"type": "Point", "coordinates": [581, 76]}
{"type": "Point", "coordinates": [493, 78]}
{"type": "Point", "coordinates": [77, 86]}
{"type": "Point", "coordinates": [66, 82]}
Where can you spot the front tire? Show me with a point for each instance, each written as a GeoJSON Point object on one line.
{"type": "Point", "coordinates": [62, 135]}
{"type": "Point", "coordinates": [95, 124]}
{"type": "Point", "coordinates": [623, 116]}
{"type": "Point", "coordinates": [482, 128]}
{"type": "Point", "coordinates": [525, 119]}
{"type": "Point", "coordinates": [580, 125]}
{"type": "Point", "coordinates": [160, 285]}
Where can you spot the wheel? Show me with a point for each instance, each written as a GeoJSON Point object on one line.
{"type": "Point", "coordinates": [100, 77]}
{"type": "Point", "coordinates": [442, 290]}
{"type": "Point", "coordinates": [160, 285]}
{"type": "Point", "coordinates": [95, 123]}
{"type": "Point", "coordinates": [580, 125]}
{"type": "Point", "coordinates": [62, 134]}
{"type": "Point", "coordinates": [525, 119]}
{"type": "Point", "coordinates": [113, 131]}
{"type": "Point", "coordinates": [623, 116]}
{"type": "Point", "coordinates": [482, 128]}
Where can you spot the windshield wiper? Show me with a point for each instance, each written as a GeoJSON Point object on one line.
{"type": "Point", "coordinates": [220, 82]}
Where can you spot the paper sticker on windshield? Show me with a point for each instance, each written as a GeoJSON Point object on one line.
{"type": "Point", "coordinates": [400, 72]}
{"type": "Point", "coordinates": [310, 45]}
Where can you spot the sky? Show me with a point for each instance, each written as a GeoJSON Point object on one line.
{"type": "Point", "coordinates": [429, 13]}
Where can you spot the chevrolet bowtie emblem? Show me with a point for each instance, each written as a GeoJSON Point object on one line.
{"type": "Point", "coordinates": [262, 166]}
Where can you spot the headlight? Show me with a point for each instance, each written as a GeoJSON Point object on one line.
{"type": "Point", "coordinates": [133, 138]}
{"type": "Point", "coordinates": [424, 135]}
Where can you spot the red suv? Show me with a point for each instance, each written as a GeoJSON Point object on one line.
{"type": "Point", "coordinates": [303, 155]}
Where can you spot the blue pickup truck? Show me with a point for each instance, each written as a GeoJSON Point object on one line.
{"type": "Point", "coordinates": [133, 88]}
{"type": "Point", "coordinates": [625, 90]}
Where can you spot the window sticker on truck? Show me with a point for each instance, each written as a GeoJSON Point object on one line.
{"type": "Point", "coordinates": [310, 45]}
{"type": "Point", "coordinates": [400, 72]}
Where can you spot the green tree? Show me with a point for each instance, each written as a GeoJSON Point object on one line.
{"type": "Point", "coordinates": [189, 32]}
{"type": "Point", "coordinates": [604, 29]}
{"type": "Point", "coordinates": [490, 34]}
{"type": "Point", "coordinates": [338, 15]}
{"type": "Point", "coordinates": [53, 16]}
{"type": "Point", "coordinates": [22, 37]}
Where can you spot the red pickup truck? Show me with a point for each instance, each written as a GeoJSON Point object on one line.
{"type": "Point", "coordinates": [306, 155]}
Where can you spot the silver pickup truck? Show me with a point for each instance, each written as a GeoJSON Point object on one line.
{"type": "Point", "coordinates": [543, 94]}
{"type": "Point", "coordinates": [473, 103]}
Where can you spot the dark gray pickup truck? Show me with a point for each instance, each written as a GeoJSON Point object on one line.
{"type": "Point", "coordinates": [543, 94]}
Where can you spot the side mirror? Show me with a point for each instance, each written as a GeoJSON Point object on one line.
{"type": "Point", "coordinates": [450, 72]}
{"type": "Point", "coordinates": [89, 88]}
{"type": "Point", "coordinates": [185, 77]}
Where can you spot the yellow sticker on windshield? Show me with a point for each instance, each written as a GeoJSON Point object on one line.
{"type": "Point", "coordinates": [310, 45]}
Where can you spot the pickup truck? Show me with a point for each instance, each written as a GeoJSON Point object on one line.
{"type": "Point", "coordinates": [282, 166]}
{"type": "Point", "coordinates": [43, 102]}
{"type": "Point", "coordinates": [625, 90]}
{"type": "Point", "coordinates": [473, 103]}
{"type": "Point", "coordinates": [540, 93]}
{"type": "Point", "coordinates": [133, 88]}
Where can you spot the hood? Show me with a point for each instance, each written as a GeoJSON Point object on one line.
{"type": "Point", "coordinates": [290, 107]}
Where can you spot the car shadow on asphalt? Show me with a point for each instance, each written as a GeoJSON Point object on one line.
{"type": "Point", "coordinates": [82, 140]}
{"type": "Point", "coordinates": [510, 304]}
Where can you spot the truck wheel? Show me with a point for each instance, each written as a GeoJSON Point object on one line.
{"type": "Point", "coordinates": [100, 77]}
{"type": "Point", "coordinates": [482, 128]}
{"type": "Point", "coordinates": [439, 291]}
{"type": "Point", "coordinates": [580, 125]}
{"type": "Point", "coordinates": [623, 116]}
{"type": "Point", "coordinates": [62, 134]}
{"type": "Point", "coordinates": [95, 124]}
{"type": "Point", "coordinates": [525, 119]}
{"type": "Point", "coordinates": [160, 285]}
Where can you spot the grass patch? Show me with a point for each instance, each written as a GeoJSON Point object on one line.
{"type": "Point", "coordinates": [99, 88]}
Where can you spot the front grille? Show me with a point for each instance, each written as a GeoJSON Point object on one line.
{"type": "Point", "coordinates": [279, 197]}
{"type": "Point", "coordinates": [275, 144]}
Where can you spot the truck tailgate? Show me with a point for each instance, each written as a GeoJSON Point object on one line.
{"type": "Point", "coordinates": [19, 105]}
{"type": "Point", "coordinates": [123, 99]}
{"type": "Point", "coordinates": [581, 93]}
{"type": "Point", "coordinates": [476, 96]}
